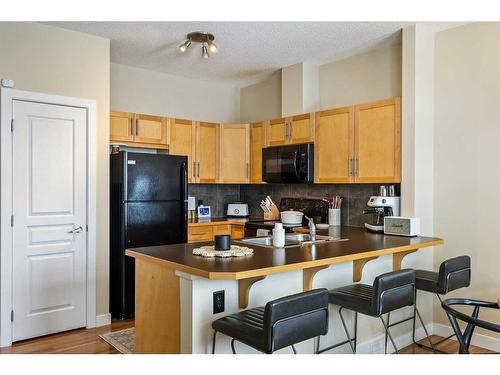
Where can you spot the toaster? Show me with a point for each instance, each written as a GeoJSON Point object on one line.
{"type": "Point", "coordinates": [237, 210]}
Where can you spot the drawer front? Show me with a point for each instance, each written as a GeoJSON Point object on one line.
{"type": "Point", "coordinates": [237, 232]}
{"type": "Point", "coordinates": [222, 229]}
{"type": "Point", "coordinates": [199, 234]}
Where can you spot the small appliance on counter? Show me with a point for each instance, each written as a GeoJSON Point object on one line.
{"type": "Point", "coordinates": [237, 209]}
{"type": "Point", "coordinates": [380, 207]}
{"type": "Point", "coordinates": [203, 212]}
{"type": "Point", "coordinates": [402, 226]}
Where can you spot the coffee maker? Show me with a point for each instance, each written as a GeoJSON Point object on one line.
{"type": "Point", "coordinates": [380, 207]}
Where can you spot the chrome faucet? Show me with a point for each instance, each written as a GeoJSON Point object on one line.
{"type": "Point", "coordinates": [312, 228]}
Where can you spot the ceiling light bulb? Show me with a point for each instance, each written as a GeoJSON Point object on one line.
{"type": "Point", "coordinates": [204, 52]}
{"type": "Point", "coordinates": [183, 47]}
{"type": "Point", "coordinates": [212, 47]}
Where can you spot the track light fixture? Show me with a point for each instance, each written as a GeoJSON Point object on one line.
{"type": "Point", "coordinates": [206, 40]}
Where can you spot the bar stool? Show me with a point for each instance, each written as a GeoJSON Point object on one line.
{"type": "Point", "coordinates": [283, 322]}
{"type": "Point", "coordinates": [390, 291]}
{"type": "Point", "coordinates": [454, 273]}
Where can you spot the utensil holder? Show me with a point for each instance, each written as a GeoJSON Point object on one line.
{"type": "Point", "coordinates": [334, 216]}
{"type": "Point", "coordinates": [273, 215]}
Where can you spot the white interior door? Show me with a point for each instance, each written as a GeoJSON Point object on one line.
{"type": "Point", "coordinates": [49, 207]}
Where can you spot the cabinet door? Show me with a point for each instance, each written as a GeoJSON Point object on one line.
{"type": "Point", "coordinates": [277, 132]}
{"type": "Point", "coordinates": [121, 127]}
{"type": "Point", "coordinates": [301, 129]}
{"type": "Point", "coordinates": [334, 146]}
{"type": "Point", "coordinates": [257, 141]}
{"type": "Point", "coordinates": [237, 231]}
{"type": "Point", "coordinates": [150, 130]}
{"type": "Point", "coordinates": [378, 141]}
{"type": "Point", "coordinates": [234, 153]}
{"type": "Point", "coordinates": [182, 142]}
{"type": "Point", "coordinates": [207, 147]}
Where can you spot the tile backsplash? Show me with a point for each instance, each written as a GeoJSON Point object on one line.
{"type": "Point", "coordinates": [355, 196]}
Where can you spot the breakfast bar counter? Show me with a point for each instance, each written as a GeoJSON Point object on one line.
{"type": "Point", "coordinates": [167, 279]}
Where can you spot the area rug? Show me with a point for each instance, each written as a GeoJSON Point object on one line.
{"type": "Point", "coordinates": [123, 341]}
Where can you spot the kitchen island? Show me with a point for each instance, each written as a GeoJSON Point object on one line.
{"type": "Point", "coordinates": [174, 288]}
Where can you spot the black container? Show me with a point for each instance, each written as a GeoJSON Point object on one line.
{"type": "Point", "coordinates": [222, 242]}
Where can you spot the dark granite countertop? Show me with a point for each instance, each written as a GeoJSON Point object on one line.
{"type": "Point", "coordinates": [264, 261]}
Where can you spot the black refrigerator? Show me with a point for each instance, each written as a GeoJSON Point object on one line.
{"type": "Point", "coordinates": [148, 208]}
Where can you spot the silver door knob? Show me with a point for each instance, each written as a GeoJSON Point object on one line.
{"type": "Point", "coordinates": [78, 229]}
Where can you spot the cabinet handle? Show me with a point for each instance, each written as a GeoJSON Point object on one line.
{"type": "Point", "coordinates": [356, 167]}
{"type": "Point", "coordinates": [349, 166]}
{"type": "Point", "coordinates": [248, 170]}
{"type": "Point", "coordinates": [290, 130]}
{"type": "Point", "coordinates": [194, 169]}
{"type": "Point", "coordinates": [137, 127]}
{"type": "Point", "coordinates": [198, 171]}
{"type": "Point", "coordinates": [132, 125]}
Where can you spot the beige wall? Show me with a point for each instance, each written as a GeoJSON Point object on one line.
{"type": "Point", "coordinates": [365, 77]}
{"type": "Point", "coordinates": [145, 91]}
{"type": "Point", "coordinates": [52, 60]}
{"type": "Point", "coordinates": [261, 101]}
{"type": "Point", "coordinates": [361, 78]}
{"type": "Point", "coordinates": [467, 156]}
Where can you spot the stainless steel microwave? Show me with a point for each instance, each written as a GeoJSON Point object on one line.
{"type": "Point", "coordinates": [288, 164]}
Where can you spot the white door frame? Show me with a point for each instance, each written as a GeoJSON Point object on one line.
{"type": "Point", "coordinates": [7, 96]}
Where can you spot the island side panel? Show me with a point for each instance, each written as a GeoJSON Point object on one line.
{"type": "Point", "coordinates": [157, 309]}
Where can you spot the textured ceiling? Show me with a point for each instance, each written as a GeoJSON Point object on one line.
{"type": "Point", "coordinates": [248, 51]}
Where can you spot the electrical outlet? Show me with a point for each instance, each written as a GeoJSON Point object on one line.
{"type": "Point", "coordinates": [219, 302]}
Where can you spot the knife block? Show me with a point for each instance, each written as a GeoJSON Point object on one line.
{"type": "Point", "coordinates": [273, 215]}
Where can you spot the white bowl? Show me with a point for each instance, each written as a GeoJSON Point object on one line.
{"type": "Point", "coordinates": [322, 226]}
{"type": "Point", "coordinates": [291, 217]}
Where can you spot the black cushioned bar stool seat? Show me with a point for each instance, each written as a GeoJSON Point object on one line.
{"type": "Point", "coordinates": [453, 274]}
{"type": "Point", "coordinates": [281, 323]}
{"type": "Point", "coordinates": [389, 292]}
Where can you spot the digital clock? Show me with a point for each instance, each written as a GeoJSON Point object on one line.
{"type": "Point", "coordinates": [204, 212]}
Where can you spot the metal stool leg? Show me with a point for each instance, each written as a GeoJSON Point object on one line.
{"type": "Point", "coordinates": [232, 346]}
{"type": "Point", "coordinates": [355, 331]}
{"type": "Point", "coordinates": [347, 332]}
{"type": "Point", "coordinates": [385, 340]}
{"type": "Point", "coordinates": [389, 334]}
{"type": "Point", "coordinates": [294, 350]}
{"type": "Point", "coordinates": [213, 342]}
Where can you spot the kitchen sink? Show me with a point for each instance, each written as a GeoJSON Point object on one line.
{"type": "Point", "coordinates": [291, 240]}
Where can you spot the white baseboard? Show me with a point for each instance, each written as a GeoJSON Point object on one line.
{"type": "Point", "coordinates": [103, 320]}
{"type": "Point", "coordinates": [483, 341]}
{"type": "Point", "coordinates": [375, 345]}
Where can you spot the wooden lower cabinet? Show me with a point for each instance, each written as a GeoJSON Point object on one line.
{"type": "Point", "coordinates": [206, 232]}
{"type": "Point", "coordinates": [237, 231]}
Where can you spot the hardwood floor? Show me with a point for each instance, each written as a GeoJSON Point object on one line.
{"type": "Point", "coordinates": [449, 346]}
{"type": "Point", "coordinates": [78, 341]}
{"type": "Point", "coordinates": [87, 341]}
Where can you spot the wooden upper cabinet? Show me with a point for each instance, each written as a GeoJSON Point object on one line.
{"type": "Point", "coordinates": [207, 152]}
{"type": "Point", "coordinates": [378, 141]}
{"type": "Point", "coordinates": [295, 129]}
{"type": "Point", "coordinates": [334, 146]}
{"type": "Point", "coordinates": [150, 129]}
{"type": "Point", "coordinates": [234, 164]}
{"type": "Point", "coordinates": [138, 130]}
{"type": "Point", "coordinates": [182, 142]}
{"type": "Point", "coordinates": [121, 127]}
{"type": "Point", "coordinates": [257, 142]}
{"type": "Point", "coordinates": [277, 132]}
{"type": "Point", "coordinates": [301, 128]}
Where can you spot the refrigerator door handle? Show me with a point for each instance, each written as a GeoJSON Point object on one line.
{"type": "Point", "coordinates": [184, 177]}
